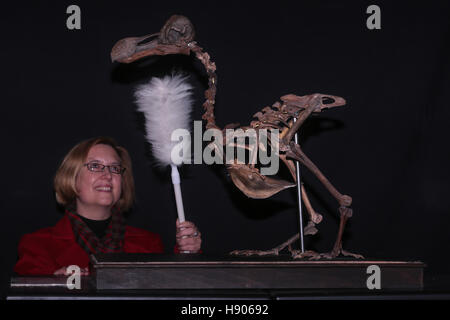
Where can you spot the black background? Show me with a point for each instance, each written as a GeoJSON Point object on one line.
{"type": "Point", "coordinates": [387, 147]}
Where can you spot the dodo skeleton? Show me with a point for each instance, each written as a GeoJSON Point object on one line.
{"type": "Point", "coordinates": [287, 116]}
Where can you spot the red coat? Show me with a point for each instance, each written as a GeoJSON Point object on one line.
{"type": "Point", "coordinates": [49, 249]}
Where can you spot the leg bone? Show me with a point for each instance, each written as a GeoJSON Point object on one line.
{"type": "Point", "coordinates": [296, 153]}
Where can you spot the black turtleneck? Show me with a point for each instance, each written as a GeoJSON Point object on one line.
{"type": "Point", "coordinates": [98, 227]}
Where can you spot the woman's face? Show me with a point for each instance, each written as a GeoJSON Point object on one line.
{"type": "Point", "coordinates": [99, 189]}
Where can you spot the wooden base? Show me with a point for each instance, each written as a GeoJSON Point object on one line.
{"type": "Point", "coordinates": [199, 271]}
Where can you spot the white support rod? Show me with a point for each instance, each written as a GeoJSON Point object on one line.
{"type": "Point", "coordinates": [299, 196]}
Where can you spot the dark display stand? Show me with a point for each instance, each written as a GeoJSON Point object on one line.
{"type": "Point", "coordinates": [203, 277]}
{"type": "Point", "coordinates": [198, 271]}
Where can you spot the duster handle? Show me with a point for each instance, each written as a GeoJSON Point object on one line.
{"type": "Point", "coordinates": [177, 189]}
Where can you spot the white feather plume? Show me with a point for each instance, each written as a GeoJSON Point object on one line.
{"type": "Point", "coordinates": [167, 105]}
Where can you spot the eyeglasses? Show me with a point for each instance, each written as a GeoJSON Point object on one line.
{"type": "Point", "coordinates": [98, 167]}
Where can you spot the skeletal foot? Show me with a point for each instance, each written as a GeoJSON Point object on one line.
{"type": "Point", "coordinates": [350, 254]}
{"type": "Point", "coordinates": [254, 252]}
{"type": "Point", "coordinates": [334, 254]}
{"type": "Point", "coordinates": [297, 254]}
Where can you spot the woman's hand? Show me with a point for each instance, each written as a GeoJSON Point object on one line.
{"type": "Point", "coordinates": [188, 237]}
{"type": "Point", "coordinates": [63, 272]}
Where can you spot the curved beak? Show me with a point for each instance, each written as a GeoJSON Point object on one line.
{"type": "Point", "coordinates": [131, 49]}
{"type": "Point", "coordinates": [174, 38]}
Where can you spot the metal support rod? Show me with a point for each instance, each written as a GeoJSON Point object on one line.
{"type": "Point", "coordinates": [299, 196]}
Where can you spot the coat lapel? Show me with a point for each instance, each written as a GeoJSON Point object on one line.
{"type": "Point", "coordinates": [67, 251]}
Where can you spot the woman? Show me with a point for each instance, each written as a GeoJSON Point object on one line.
{"type": "Point", "coordinates": [95, 185]}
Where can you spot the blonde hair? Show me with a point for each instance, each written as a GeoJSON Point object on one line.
{"type": "Point", "coordinates": [66, 175]}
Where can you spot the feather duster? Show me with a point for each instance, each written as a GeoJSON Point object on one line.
{"type": "Point", "coordinates": [167, 105]}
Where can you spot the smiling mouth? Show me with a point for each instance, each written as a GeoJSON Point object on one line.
{"type": "Point", "coordinates": [104, 189]}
